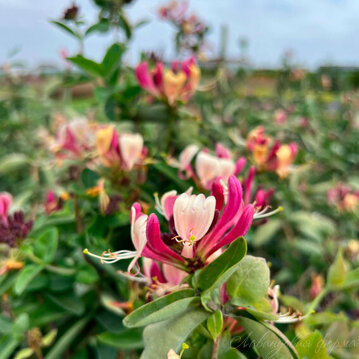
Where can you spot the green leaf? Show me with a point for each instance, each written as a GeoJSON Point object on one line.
{"type": "Point", "coordinates": [161, 309]}
{"type": "Point", "coordinates": [69, 302]}
{"type": "Point", "coordinates": [129, 339]}
{"type": "Point", "coordinates": [102, 26]}
{"type": "Point", "coordinates": [24, 353]}
{"type": "Point", "coordinates": [49, 338]}
{"type": "Point", "coordinates": [87, 65]}
{"type": "Point", "coordinates": [89, 178]}
{"type": "Point", "coordinates": [267, 344]}
{"type": "Point", "coordinates": [112, 59]}
{"type": "Point", "coordinates": [159, 338]}
{"type": "Point", "coordinates": [266, 232]}
{"type": "Point", "coordinates": [65, 28]}
{"type": "Point", "coordinates": [20, 326]}
{"type": "Point", "coordinates": [351, 279]}
{"type": "Point", "coordinates": [312, 347]}
{"type": "Point", "coordinates": [12, 163]}
{"type": "Point", "coordinates": [7, 346]}
{"type": "Point", "coordinates": [87, 275]}
{"type": "Point", "coordinates": [233, 354]}
{"type": "Point", "coordinates": [215, 324]}
{"type": "Point", "coordinates": [45, 245]}
{"type": "Point", "coordinates": [26, 275]}
{"type": "Point", "coordinates": [251, 280]}
{"type": "Point", "coordinates": [217, 272]}
{"type": "Point", "coordinates": [337, 271]}
{"type": "Point", "coordinates": [67, 338]}
{"type": "Point", "coordinates": [125, 26]}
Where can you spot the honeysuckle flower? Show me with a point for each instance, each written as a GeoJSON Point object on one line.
{"type": "Point", "coordinates": [271, 155]}
{"type": "Point", "coordinates": [199, 227]}
{"type": "Point", "coordinates": [171, 85]}
{"type": "Point", "coordinates": [100, 192]}
{"type": "Point", "coordinates": [54, 203]}
{"type": "Point", "coordinates": [166, 203]}
{"type": "Point", "coordinates": [5, 203]}
{"type": "Point", "coordinates": [74, 138]}
{"type": "Point", "coordinates": [119, 150]}
{"type": "Point", "coordinates": [280, 116]}
{"type": "Point", "coordinates": [344, 198]}
{"type": "Point", "coordinates": [285, 157]}
{"type": "Point", "coordinates": [208, 167]}
{"type": "Point", "coordinates": [316, 286]}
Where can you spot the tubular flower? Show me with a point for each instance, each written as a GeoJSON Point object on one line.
{"type": "Point", "coordinates": [198, 227]}
{"type": "Point", "coordinates": [208, 167]}
{"type": "Point", "coordinates": [172, 85]}
{"type": "Point", "coordinates": [73, 139]}
{"type": "Point", "coordinates": [344, 198]}
{"type": "Point", "coordinates": [5, 203]}
{"type": "Point", "coordinates": [124, 150]}
{"type": "Point", "coordinates": [269, 155]}
{"type": "Point", "coordinates": [54, 203]}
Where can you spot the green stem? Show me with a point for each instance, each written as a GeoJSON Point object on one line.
{"type": "Point", "coordinates": [215, 348]}
{"type": "Point", "coordinates": [60, 270]}
{"type": "Point", "coordinates": [314, 304]}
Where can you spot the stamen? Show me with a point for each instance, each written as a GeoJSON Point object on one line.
{"type": "Point", "coordinates": [264, 213]}
{"type": "Point", "coordinates": [112, 257]}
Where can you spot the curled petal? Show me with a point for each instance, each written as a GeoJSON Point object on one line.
{"type": "Point", "coordinates": [155, 242]}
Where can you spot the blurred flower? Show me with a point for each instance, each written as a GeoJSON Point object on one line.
{"type": "Point", "coordinates": [326, 82]}
{"type": "Point", "coordinates": [345, 199]}
{"type": "Point", "coordinates": [99, 191]}
{"type": "Point", "coordinates": [124, 150]}
{"type": "Point", "coordinates": [273, 294]}
{"type": "Point", "coordinates": [208, 167]}
{"type": "Point", "coordinates": [14, 229]}
{"type": "Point", "coordinates": [316, 286]}
{"type": "Point", "coordinates": [71, 13]}
{"type": "Point", "coordinates": [271, 156]}
{"type": "Point", "coordinates": [74, 139]}
{"type": "Point", "coordinates": [54, 203]}
{"type": "Point", "coordinates": [280, 116]}
{"type": "Point", "coordinates": [172, 85]}
{"type": "Point", "coordinates": [5, 203]}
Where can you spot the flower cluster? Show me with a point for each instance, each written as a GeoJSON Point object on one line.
{"type": "Point", "coordinates": [54, 203]}
{"type": "Point", "coordinates": [191, 30]}
{"type": "Point", "coordinates": [12, 227]}
{"type": "Point", "coordinates": [74, 138]}
{"type": "Point", "coordinates": [271, 155]}
{"type": "Point", "coordinates": [79, 139]}
{"type": "Point", "coordinates": [344, 198]}
{"type": "Point", "coordinates": [219, 166]}
{"type": "Point", "coordinates": [199, 228]}
{"type": "Point", "coordinates": [171, 85]}
{"type": "Point", "coordinates": [119, 150]}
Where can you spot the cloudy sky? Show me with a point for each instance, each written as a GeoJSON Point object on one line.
{"type": "Point", "coordinates": [318, 31]}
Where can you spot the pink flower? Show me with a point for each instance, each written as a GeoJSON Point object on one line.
{"type": "Point", "coordinates": [198, 229]}
{"type": "Point", "coordinates": [170, 85]}
{"type": "Point", "coordinates": [208, 167]}
{"type": "Point", "coordinates": [74, 138]}
{"type": "Point", "coordinates": [122, 150]}
{"type": "Point", "coordinates": [5, 203]}
{"type": "Point", "coordinates": [344, 198]}
{"type": "Point", "coordinates": [271, 155]}
{"type": "Point", "coordinates": [280, 116]}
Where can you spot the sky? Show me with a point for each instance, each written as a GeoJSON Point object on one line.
{"type": "Point", "coordinates": [317, 31]}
